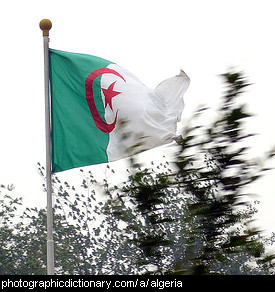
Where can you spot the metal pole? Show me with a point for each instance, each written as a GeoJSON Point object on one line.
{"type": "Point", "coordinates": [45, 26]}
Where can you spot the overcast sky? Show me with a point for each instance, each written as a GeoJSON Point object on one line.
{"type": "Point", "coordinates": [153, 39]}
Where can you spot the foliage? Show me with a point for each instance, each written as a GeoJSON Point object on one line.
{"type": "Point", "coordinates": [213, 170]}
{"type": "Point", "coordinates": [8, 207]}
{"type": "Point", "coordinates": [196, 216]}
{"type": "Point", "coordinates": [211, 179]}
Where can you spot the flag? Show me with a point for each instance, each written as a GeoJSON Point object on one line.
{"type": "Point", "coordinates": [100, 112]}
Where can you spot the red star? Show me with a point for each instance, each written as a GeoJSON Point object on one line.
{"type": "Point", "coordinates": [109, 94]}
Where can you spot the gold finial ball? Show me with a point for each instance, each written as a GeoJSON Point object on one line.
{"type": "Point", "coordinates": [45, 25]}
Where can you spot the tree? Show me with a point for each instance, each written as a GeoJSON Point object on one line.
{"type": "Point", "coordinates": [212, 174]}
{"type": "Point", "coordinates": [8, 207]}
{"type": "Point", "coordinates": [215, 175]}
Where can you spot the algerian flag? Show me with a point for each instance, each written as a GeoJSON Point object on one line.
{"type": "Point", "coordinates": [102, 113]}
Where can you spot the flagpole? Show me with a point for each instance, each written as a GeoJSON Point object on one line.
{"type": "Point", "coordinates": [45, 26]}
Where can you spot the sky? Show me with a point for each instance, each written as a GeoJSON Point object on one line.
{"type": "Point", "coordinates": [153, 39]}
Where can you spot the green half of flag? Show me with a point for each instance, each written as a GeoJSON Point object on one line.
{"type": "Point", "coordinates": [76, 140]}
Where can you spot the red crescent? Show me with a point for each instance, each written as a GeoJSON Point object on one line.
{"type": "Point", "coordinates": [102, 126]}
